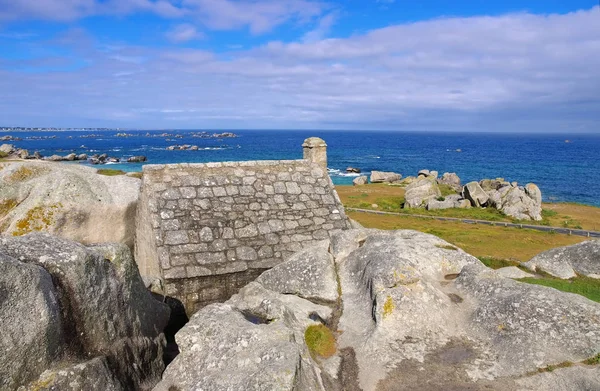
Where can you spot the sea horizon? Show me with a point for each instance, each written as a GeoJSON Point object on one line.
{"type": "Point", "coordinates": [565, 166]}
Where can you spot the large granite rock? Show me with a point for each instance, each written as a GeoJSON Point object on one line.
{"type": "Point", "coordinates": [420, 192]}
{"type": "Point", "coordinates": [361, 180]}
{"type": "Point", "coordinates": [474, 193]}
{"type": "Point", "coordinates": [568, 262]}
{"type": "Point", "coordinates": [89, 302]}
{"type": "Point", "coordinates": [452, 180]}
{"type": "Point", "coordinates": [522, 203]}
{"type": "Point", "coordinates": [7, 148]}
{"type": "Point", "coordinates": [309, 274]}
{"type": "Point", "coordinates": [30, 320]}
{"type": "Point", "coordinates": [451, 201]}
{"type": "Point", "coordinates": [69, 201]}
{"type": "Point", "coordinates": [414, 313]}
{"type": "Point", "coordinates": [384, 177]}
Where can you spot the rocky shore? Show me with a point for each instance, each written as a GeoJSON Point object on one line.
{"type": "Point", "coordinates": [425, 191]}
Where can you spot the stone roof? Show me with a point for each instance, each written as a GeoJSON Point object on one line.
{"type": "Point", "coordinates": [208, 219]}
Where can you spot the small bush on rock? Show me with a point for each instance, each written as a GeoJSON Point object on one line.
{"type": "Point", "coordinates": [320, 341]}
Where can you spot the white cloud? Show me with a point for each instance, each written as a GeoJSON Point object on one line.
{"type": "Point", "coordinates": [259, 16]}
{"type": "Point", "coordinates": [183, 33]}
{"type": "Point", "coordinates": [517, 72]}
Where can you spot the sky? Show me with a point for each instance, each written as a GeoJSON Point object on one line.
{"type": "Point", "coordinates": [426, 65]}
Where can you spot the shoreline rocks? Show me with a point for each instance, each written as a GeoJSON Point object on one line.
{"type": "Point", "coordinates": [384, 177]}
{"type": "Point", "coordinates": [359, 181]}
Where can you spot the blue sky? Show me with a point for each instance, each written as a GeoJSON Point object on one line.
{"type": "Point", "coordinates": [530, 66]}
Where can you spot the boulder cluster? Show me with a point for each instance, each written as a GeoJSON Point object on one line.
{"type": "Point", "coordinates": [12, 151]}
{"type": "Point", "coordinates": [423, 191]}
{"type": "Point", "coordinates": [396, 310]}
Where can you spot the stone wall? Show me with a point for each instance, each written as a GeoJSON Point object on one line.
{"type": "Point", "coordinates": [209, 229]}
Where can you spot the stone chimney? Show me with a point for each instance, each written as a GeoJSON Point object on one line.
{"type": "Point", "coordinates": [315, 150]}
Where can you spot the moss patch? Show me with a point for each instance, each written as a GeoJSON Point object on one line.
{"type": "Point", "coordinates": [497, 263]}
{"type": "Point", "coordinates": [593, 360]}
{"type": "Point", "coordinates": [446, 247]}
{"type": "Point", "coordinates": [388, 307]}
{"type": "Point", "coordinates": [320, 341]}
{"type": "Point", "coordinates": [21, 174]}
{"type": "Point", "coordinates": [137, 175]}
{"type": "Point", "coordinates": [36, 219]}
{"type": "Point", "coordinates": [6, 206]}
{"type": "Point", "coordinates": [110, 172]}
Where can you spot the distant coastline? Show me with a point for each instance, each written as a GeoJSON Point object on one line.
{"type": "Point", "coordinates": [565, 172]}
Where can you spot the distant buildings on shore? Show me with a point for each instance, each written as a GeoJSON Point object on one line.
{"type": "Point", "coordinates": [43, 129]}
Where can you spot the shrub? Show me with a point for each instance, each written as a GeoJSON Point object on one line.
{"type": "Point", "coordinates": [320, 341]}
{"type": "Point", "coordinates": [110, 172]}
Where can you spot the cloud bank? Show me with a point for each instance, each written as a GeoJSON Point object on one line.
{"type": "Point", "coordinates": [516, 72]}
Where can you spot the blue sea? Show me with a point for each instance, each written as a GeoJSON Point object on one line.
{"type": "Point", "coordinates": [564, 171]}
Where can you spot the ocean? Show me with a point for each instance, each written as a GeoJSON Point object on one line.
{"type": "Point", "coordinates": [565, 167]}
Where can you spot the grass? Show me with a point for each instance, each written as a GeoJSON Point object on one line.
{"type": "Point", "coordinates": [446, 190]}
{"type": "Point", "coordinates": [110, 172]}
{"type": "Point", "coordinates": [593, 360]}
{"type": "Point", "coordinates": [498, 263]}
{"type": "Point", "coordinates": [320, 341]}
{"type": "Point", "coordinates": [478, 240]}
{"type": "Point", "coordinates": [137, 175]}
{"type": "Point", "coordinates": [21, 174]}
{"type": "Point", "coordinates": [584, 286]}
{"type": "Point", "coordinates": [390, 199]}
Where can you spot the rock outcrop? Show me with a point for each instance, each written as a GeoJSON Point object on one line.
{"type": "Point", "coordinates": [412, 312]}
{"type": "Point", "coordinates": [448, 202]}
{"type": "Point", "coordinates": [76, 317]}
{"type": "Point", "coordinates": [452, 180]}
{"type": "Point", "coordinates": [568, 262]}
{"type": "Point", "coordinates": [70, 201]}
{"type": "Point", "coordinates": [384, 177]}
{"type": "Point", "coordinates": [359, 181]}
{"type": "Point", "coordinates": [522, 203]}
{"type": "Point", "coordinates": [474, 193]}
{"type": "Point", "coordinates": [420, 192]}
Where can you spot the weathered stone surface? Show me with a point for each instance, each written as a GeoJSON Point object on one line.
{"type": "Point", "coordinates": [90, 375]}
{"type": "Point", "coordinates": [247, 344]}
{"type": "Point", "coordinates": [30, 321]}
{"type": "Point", "coordinates": [105, 307]}
{"type": "Point", "coordinates": [517, 202]}
{"type": "Point", "coordinates": [420, 192]}
{"type": "Point", "coordinates": [381, 177]}
{"type": "Point", "coordinates": [416, 313]}
{"type": "Point", "coordinates": [474, 193]}
{"type": "Point", "coordinates": [361, 180]}
{"type": "Point", "coordinates": [452, 180]}
{"type": "Point", "coordinates": [451, 201]}
{"type": "Point", "coordinates": [7, 148]}
{"type": "Point", "coordinates": [69, 201]}
{"type": "Point", "coordinates": [309, 274]}
{"type": "Point", "coordinates": [247, 215]}
{"type": "Point", "coordinates": [567, 262]}
{"type": "Point", "coordinates": [315, 151]}
{"type": "Point", "coordinates": [513, 272]}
